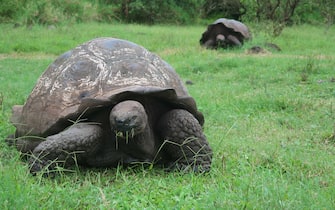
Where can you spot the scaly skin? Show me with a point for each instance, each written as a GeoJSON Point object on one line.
{"type": "Point", "coordinates": [185, 142]}
{"type": "Point", "coordinates": [64, 148]}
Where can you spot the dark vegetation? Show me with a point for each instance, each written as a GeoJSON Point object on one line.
{"type": "Point", "coordinates": [53, 12]}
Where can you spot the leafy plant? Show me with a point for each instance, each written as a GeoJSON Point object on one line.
{"type": "Point", "coordinates": [307, 70]}
{"type": "Point", "coordinates": [9, 9]}
{"type": "Point", "coordinates": [153, 11]}
{"type": "Point", "coordinates": [280, 12]}
{"type": "Point", "coordinates": [233, 9]}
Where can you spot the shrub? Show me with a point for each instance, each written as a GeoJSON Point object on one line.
{"type": "Point", "coordinates": [156, 11]}
{"type": "Point", "coordinates": [43, 11]}
{"type": "Point", "coordinates": [233, 9]}
{"type": "Point", "coordinates": [9, 9]}
{"type": "Point", "coordinates": [280, 12]}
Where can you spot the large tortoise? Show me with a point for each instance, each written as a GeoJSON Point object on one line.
{"type": "Point", "coordinates": [109, 102]}
{"type": "Point", "coordinates": [225, 33]}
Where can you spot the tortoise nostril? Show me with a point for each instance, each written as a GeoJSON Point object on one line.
{"type": "Point", "coordinates": [122, 122]}
{"type": "Point", "coordinates": [119, 122]}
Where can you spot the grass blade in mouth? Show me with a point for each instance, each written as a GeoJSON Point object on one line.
{"type": "Point", "coordinates": [125, 135]}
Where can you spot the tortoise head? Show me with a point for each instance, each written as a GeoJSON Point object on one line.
{"type": "Point", "coordinates": [128, 118]}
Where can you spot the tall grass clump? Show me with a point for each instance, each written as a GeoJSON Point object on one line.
{"type": "Point", "coordinates": [45, 12]}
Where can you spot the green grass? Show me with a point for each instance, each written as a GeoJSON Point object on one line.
{"type": "Point", "coordinates": [269, 119]}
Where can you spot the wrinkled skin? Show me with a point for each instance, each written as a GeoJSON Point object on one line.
{"type": "Point", "coordinates": [128, 133]}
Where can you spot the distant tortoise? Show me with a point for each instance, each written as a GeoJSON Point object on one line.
{"type": "Point", "coordinates": [225, 33]}
{"type": "Point", "coordinates": [109, 102]}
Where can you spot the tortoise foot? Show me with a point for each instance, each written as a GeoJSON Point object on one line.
{"type": "Point", "coordinates": [185, 142]}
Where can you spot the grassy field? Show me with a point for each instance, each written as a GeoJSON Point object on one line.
{"type": "Point", "coordinates": [269, 119]}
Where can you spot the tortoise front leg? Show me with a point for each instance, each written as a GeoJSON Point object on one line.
{"type": "Point", "coordinates": [233, 40]}
{"type": "Point", "coordinates": [184, 141]}
{"type": "Point", "coordinates": [64, 148]}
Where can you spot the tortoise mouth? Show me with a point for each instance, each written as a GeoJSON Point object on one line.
{"type": "Point", "coordinates": [126, 134]}
{"type": "Point", "coordinates": [126, 130]}
{"type": "Point", "coordinates": [127, 125]}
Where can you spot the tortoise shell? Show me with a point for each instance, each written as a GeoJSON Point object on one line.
{"type": "Point", "coordinates": [237, 26]}
{"type": "Point", "coordinates": [94, 75]}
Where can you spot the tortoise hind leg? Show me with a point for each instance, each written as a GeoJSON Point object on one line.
{"type": "Point", "coordinates": [64, 148]}
{"type": "Point", "coordinates": [184, 141]}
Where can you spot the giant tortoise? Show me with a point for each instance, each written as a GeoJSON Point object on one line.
{"type": "Point", "coordinates": [110, 102]}
{"type": "Point", "coordinates": [225, 33]}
